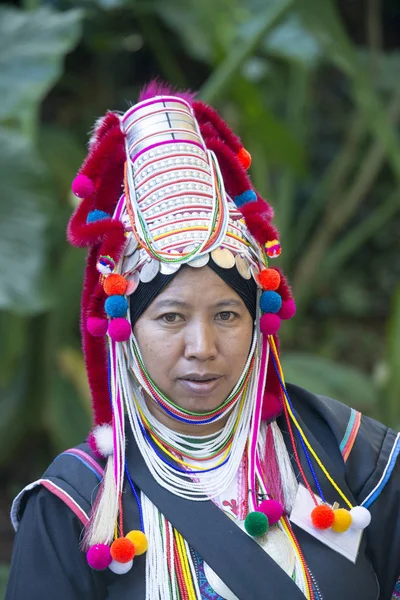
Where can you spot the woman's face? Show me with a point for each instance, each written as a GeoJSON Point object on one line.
{"type": "Point", "coordinates": [195, 338]}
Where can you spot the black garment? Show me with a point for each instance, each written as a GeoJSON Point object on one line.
{"type": "Point", "coordinates": [47, 559]}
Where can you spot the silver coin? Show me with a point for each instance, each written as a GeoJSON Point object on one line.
{"type": "Point", "coordinates": [243, 266]}
{"type": "Point", "coordinates": [255, 274]}
{"type": "Point", "coordinates": [223, 258]}
{"type": "Point", "coordinates": [169, 268]}
{"type": "Point", "coordinates": [149, 270]}
{"type": "Point", "coordinates": [133, 282]}
{"type": "Point", "coordinates": [131, 246]}
{"type": "Point", "coordinates": [130, 262]}
{"type": "Point", "coordinates": [199, 262]}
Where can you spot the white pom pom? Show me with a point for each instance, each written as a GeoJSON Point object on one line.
{"type": "Point", "coordinates": [104, 269]}
{"type": "Point", "coordinates": [103, 435]}
{"type": "Point", "coordinates": [120, 568]}
{"type": "Point", "coordinates": [361, 517]}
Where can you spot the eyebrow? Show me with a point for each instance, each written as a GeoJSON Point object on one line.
{"type": "Point", "coordinates": [167, 303]}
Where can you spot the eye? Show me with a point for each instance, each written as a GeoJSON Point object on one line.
{"type": "Point", "coordinates": [171, 318]}
{"type": "Point", "coordinates": [226, 315]}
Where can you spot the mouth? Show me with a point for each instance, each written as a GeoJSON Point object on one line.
{"type": "Point", "coordinates": [200, 385]}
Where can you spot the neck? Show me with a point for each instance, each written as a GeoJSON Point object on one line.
{"type": "Point", "coordinates": [179, 426]}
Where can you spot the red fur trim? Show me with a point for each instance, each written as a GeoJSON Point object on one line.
{"type": "Point", "coordinates": [272, 401]}
{"type": "Point", "coordinates": [205, 113]}
{"type": "Point", "coordinates": [102, 125]}
{"type": "Point", "coordinates": [83, 234]}
{"type": "Point", "coordinates": [260, 206]}
{"type": "Point", "coordinates": [157, 87]}
{"type": "Point", "coordinates": [96, 302]}
{"type": "Point", "coordinates": [235, 177]}
{"type": "Point", "coordinates": [284, 289]}
{"type": "Point", "coordinates": [94, 349]}
{"type": "Point", "coordinates": [109, 148]}
{"type": "Point", "coordinates": [260, 228]}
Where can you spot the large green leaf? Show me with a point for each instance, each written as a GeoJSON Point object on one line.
{"type": "Point", "coordinates": [324, 377]}
{"type": "Point", "coordinates": [24, 204]}
{"type": "Point", "coordinates": [32, 47]}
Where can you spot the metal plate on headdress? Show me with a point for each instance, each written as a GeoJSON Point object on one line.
{"type": "Point", "coordinates": [199, 262]}
{"type": "Point", "coordinates": [130, 262]}
{"type": "Point", "coordinates": [149, 270]}
{"type": "Point", "coordinates": [133, 282]}
{"type": "Point", "coordinates": [255, 273]}
{"type": "Point", "coordinates": [169, 268]}
{"type": "Point", "coordinates": [223, 258]}
{"type": "Point", "coordinates": [243, 266]}
{"type": "Point", "coordinates": [131, 246]}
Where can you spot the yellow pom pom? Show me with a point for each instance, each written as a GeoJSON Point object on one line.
{"type": "Point", "coordinates": [139, 540]}
{"type": "Point", "coordinates": [342, 520]}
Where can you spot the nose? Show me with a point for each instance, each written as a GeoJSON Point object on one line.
{"type": "Point", "coordinates": [200, 341]}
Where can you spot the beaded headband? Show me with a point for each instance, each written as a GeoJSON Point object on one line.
{"type": "Point", "coordinates": [186, 197]}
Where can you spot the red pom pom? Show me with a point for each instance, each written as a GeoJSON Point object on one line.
{"type": "Point", "coordinates": [288, 309]}
{"type": "Point", "coordinates": [115, 285]}
{"type": "Point", "coordinates": [97, 326]}
{"type": "Point", "coordinates": [82, 186]}
{"type": "Point", "coordinates": [244, 157]}
{"type": "Point", "coordinates": [122, 550]}
{"type": "Point", "coordinates": [119, 330]}
{"type": "Point", "coordinates": [270, 279]}
{"type": "Point", "coordinates": [322, 517]}
{"type": "Point", "coordinates": [269, 324]}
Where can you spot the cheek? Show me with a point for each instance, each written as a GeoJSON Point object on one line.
{"type": "Point", "coordinates": [160, 351]}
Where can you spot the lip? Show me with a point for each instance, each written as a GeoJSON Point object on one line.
{"type": "Point", "coordinates": [200, 388]}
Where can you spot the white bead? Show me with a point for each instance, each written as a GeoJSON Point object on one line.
{"type": "Point", "coordinates": [361, 517]}
{"type": "Point", "coordinates": [120, 568]}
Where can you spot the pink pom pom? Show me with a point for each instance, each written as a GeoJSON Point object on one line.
{"type": "Point", "coordinates": [272, 509]}
{"type": "Point", "coordinates": [99, 557]}
{"type": "Point", "coordinates": [119, 330]}
{"type": "Point", "coordinates": [271, 407]}
{"type": "Point", "coordinates": [288, 309]}
{"type": "Point", "coordinates": [97, 326]}
{"type": "Point", "coordinates": [270, 323]}
{"type": "Point", "coordinates": [82, 186]}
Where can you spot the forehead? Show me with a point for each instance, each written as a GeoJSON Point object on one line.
{"type": "Point", "coordinates": [197, 286]}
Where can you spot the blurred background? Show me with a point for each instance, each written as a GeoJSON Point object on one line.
{"type": "Point", "coordinates": [313, 89]}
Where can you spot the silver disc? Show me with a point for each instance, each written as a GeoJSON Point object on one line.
{"type": "Point", "coordinates": [255, 273]}
{"type": "Point", "coordinates": [169, 268]}
{"type": "Point", "coordinates": [200, 261]}
{"type": "Point", "coordinates": [130, 262]}
{"type": "Point", "coordinates": [149, 270]}
{"type": "Point", "coordinates": [242, 266]}
{"type": "Point", "coordinates": [133, 282]}
{"type": "Point", "coordinates": [223, 258]}
{"type": "Point", "coordinates": [217, 584]}
{"type": "Point", "coordinates": [278, 546]}
{"type": "Point", "coordinates": [131, 246]}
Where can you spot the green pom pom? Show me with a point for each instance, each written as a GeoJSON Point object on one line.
{"type": "Point", "coordinates": [256, 524]}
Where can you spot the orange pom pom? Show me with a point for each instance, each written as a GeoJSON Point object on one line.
{"type": "Point", "coordinates": [270, 279]}
{"type": "Point", "coordinates": [139, 540]}
{"type": "Point", "coordinates": [115, 285]}
{"type": "Point", "coordinates": [122, 550]}
{"type": "Point", "coordinates": [322, 517]}
{"type": "Point", "coordinates": [244, 157]}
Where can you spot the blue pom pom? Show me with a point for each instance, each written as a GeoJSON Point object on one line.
{"type": "Point", "coordinates": [270, 302]}
{"type": "Point", "coordinates": [247, 196]}
{"type": "Point", "coordinates": [97, 215]}
{"type": "Point", "coordinates": [116, 306]}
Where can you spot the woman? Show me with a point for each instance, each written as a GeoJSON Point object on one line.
{"type": "Point", "coordinates": [205, 476]}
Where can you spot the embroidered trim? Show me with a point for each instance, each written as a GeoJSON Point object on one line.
{"type": "Point", "coordinates": [347, 443]}
{"type": "Point", "coordinates": [373, 495]}
{"type": "Point", "coordinates": [396, 591]}
{"type": "Point", "coordinates": [86, 459]}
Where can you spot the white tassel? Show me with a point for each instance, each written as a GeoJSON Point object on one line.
{"type": "Point", "coordinates": [100, 529]}
{"type": "Point", "coordinates": [289, 482]}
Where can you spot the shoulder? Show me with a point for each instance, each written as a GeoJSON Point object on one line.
{"type": "Point", "coordinates": [73, 477]}
{"type": "Point", "coordinates": [368, 448]}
